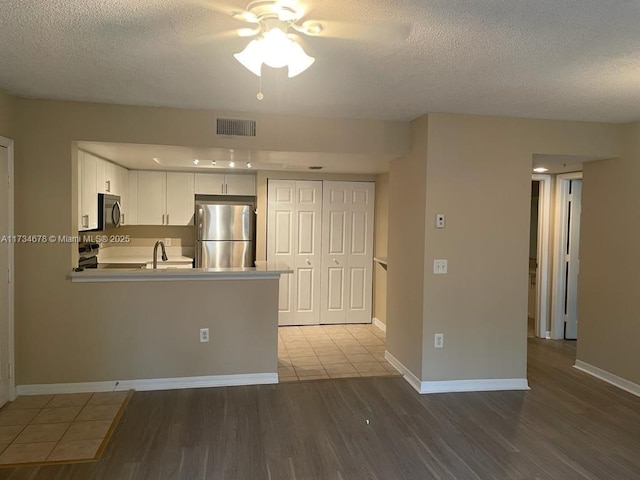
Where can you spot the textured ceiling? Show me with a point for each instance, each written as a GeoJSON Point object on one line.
{"type": "Point", "coordinates": [561, 59]}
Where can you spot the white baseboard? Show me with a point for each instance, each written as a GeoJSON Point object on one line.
{"type": "Point", "coordinates": [150, 384]}
{"type": "Point", "coordinates": [379, 323]}
{"type": "Point", "coordinates": [608, 377]}
{"type": "Point", "coordinates": [407, 374]}
{"type": "Point", "coordinates": [450, 386]}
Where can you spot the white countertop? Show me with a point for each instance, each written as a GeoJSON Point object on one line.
{"type": "Point", "coordinates": [262, 270]}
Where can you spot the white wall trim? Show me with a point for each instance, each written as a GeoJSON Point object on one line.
{"type": "Point", "coordinates": [476, 385]}
{"type": "Point", "coordinates": [451, 386]}
{"type": "Point", "coordinates": [608, 377]}
{"type": "Point", "coordinates": [9, 144]}
{"type": "Point", "coordinates": [151, 384]}
{"type": "Point", "coordinates": [408, 374]}
{"type": "Point", "coordinates": [379, 323]}
{"type": "Point", "coordinates": [543, 254]}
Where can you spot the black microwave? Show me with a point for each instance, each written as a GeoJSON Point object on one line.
{"type": "Point", "coordinates": [109, 211]}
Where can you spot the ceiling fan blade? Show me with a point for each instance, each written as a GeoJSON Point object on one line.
{"type": "Point", "coordinates": [226, 35]}
{"type": "Point", "coordinates": [356, 30]}
{"type": "Point", "coordinates": [229, 10]}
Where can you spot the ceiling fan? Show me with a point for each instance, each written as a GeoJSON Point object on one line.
{"type": "Point", "coordinates": [277, 26]}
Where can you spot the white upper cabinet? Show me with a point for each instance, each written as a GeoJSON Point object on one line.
{"type": "Point", "coordinates": [95, 176]}
{"type": "Point", "coordinates": [210, 184]}
{"type": "Point", "coordinates": [229, 184]}
{"type": "Point", "coordinates": [88, 195]}
{"type": "Point", "coordinates": [180, 198]}
{"type": "Point", "coordinates": [130, 208]}
{"type": "Point", "coordinates": [152, 198]}
{"type": "Point", "coordinates": [165, 198]}
{"type": "Point", "coordinates": [240, 185]}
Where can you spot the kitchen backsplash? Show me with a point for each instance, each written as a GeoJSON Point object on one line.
{"type": "Point", "coordinates": [136, 239]}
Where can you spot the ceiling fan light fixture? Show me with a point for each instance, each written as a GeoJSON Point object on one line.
{"type": "Point", "coordinates": [251, 57]}
{"type": "Point", "coordinates": [299, 61]}
{"type": "Point", "coordinates": [277, 50]}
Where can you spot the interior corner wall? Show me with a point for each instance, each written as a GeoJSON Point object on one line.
{"type": "Point", "coordinates": [406, 248]}
{"type": "Point", "coordinates": [608, 285]}
{"type": "Point", "coordinates": [381, 227]}
{"type": "Point", "coordinates": [479, 174]}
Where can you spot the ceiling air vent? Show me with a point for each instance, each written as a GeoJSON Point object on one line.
{"type": "Point", "coordinates": [238, 128]}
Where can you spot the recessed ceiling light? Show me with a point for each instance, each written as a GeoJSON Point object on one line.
{"type": "Point", "coordinates": [540, 169]}
{"type": "Point", "coordinates": [196, 161]}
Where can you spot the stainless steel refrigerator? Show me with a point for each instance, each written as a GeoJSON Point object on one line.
{"type": "Point", "coordinates": [225, 234]}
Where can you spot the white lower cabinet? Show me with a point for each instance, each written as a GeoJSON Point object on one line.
{"type": "Point", "coordinates": [324, 231]}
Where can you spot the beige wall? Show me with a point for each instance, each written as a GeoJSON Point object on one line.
{"type": "Point", "coordinates": [608, 301]}
{"type": "Point", "coordinates": [476, 170]}
{"type": "Point", "coordinates": [6, 114]}
{"type": "Point", "coordinates": [381, 228]}
{"type": "Point", "coordinates": [142, 330]}
{"type": "Point", "coordinates": [406, 251]}
{"type": "Point", "coordinates": [59, 323]}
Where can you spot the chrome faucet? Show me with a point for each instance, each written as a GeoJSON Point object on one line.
{"type": "Point", "coordinates": [155, 254]}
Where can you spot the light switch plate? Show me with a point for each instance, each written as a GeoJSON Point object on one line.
{"type": "Point", "coordinates": [439, 267]}
{"type": "Point", "coordinates": [167, 242]}
{"type": "Point", "coordinates": [438, 340]}
{"type": "Point", "coordinates": [440, 220]}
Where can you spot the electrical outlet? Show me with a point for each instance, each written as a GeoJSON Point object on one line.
{"type": "Point", "coordinates": [167, 242]}
{"type": "Point", "coordinates": [439, 267]}
{"type": "Point", "coordinates": [440, 220]}
{"type": "Point", "coordinates": [438, 340]}
{"type": "Point", "coordinates": [204, 335]}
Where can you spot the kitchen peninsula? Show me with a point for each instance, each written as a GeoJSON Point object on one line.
{"type": "Point", "coordinates": [141, 329]}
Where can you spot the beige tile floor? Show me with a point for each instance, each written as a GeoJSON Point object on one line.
{"type": "Point", "coordinates": [57, 428]}
{"type": "Point", "coordinates": [331, 351]}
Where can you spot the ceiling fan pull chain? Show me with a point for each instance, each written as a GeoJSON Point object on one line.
{"type": "Point", "coordinates": [260, 95]}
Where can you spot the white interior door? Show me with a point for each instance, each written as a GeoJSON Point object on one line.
{"type": "Point", "coordinates": [347, 252]}
{"type": "Point", "coordinates": [307, 241]}
{"type": "Point", "coordinates": [293, 225]}
{"type": "Point", "coordinates": [572, 259]}
{"type": "Point", "coordinates": [4, 275]}
{"type": "Point", "coordinates": [360, 253]}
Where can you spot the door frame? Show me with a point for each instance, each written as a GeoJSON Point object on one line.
{"type": "Point", "coordinates": [543, 254]}
{"type": "Point", "coordinates": [559, 241]}
{"type": "Point", "coordinates": [9, 144]}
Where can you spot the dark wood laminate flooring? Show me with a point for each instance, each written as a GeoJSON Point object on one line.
{"type": "Point", "coordinates": [569, 426]}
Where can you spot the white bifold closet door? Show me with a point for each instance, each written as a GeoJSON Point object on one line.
{"type": "Point", "coordinates": [347, 252]}
{"type": "Point", "coordinates": [294, 222]}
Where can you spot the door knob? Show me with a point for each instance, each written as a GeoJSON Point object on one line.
{"type": "Point", "coordinates": [335, 261]}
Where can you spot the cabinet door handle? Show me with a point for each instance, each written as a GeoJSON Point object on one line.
{"type": "Point", "coordinates": [108, 186]}
{"type": "Point", "coordinates": [85, 221]}
{"type": "Point", "coordinates": [163, 219]}
{"type": "Point", "coordinates": [222, 188]}
{"type": "Point", "coordinates": [122, 219]}
{"type": "Point", "coordinates": [167, 219]}
{"type": "Point", "coordinates": [308, 262]}
{"type": "Point", "coordinates": [335, 261]}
